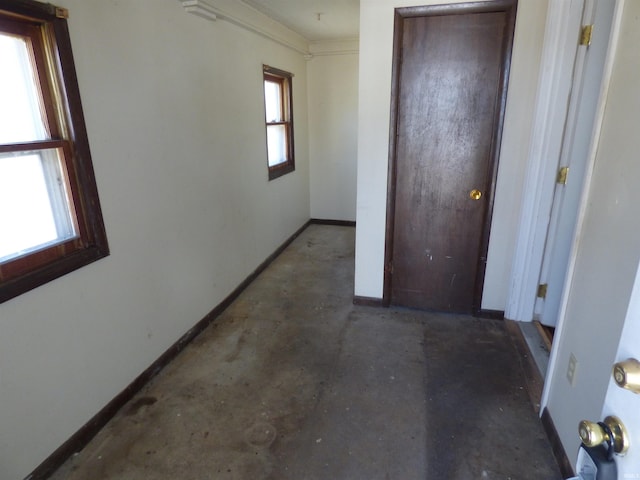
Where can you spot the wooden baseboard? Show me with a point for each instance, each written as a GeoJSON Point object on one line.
{"type": "Point", "coordinates": [89, 430]}
{"type": "Point", "coordinates": [492, 314]}
{"type": "Point", "coordinates": [339, 223]}
{"type": "Point", "coordinates": [368, 301]}
{"type": "Point", "coordinates": [379, 302]}
{"type": "Point", "coordinates": [558, 450]}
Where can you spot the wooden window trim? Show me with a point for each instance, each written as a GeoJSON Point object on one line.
{"type": "Point", "coordinates": [67, 131]}
{"type": "Point", "coordinates": [285, 80]}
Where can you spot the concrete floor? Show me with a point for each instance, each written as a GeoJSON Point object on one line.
{"type": "Point", "coordinates": [294, 382]}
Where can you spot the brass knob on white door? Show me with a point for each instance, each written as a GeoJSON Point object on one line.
{"type": "Point", "coordinates": [615, 433]}
{"type": "Point", "coordinates": [627, 374]}
{"type": "Point", "coordinates": [475, 194]}
{"type": "Point", "coordinates": [591, 433]}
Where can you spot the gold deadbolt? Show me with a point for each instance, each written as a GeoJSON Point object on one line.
{"type": "Point", "coordinates": [475, 194]}
{"type": "Point", "coordinates": [593, 434]}
{"type": "Point", "coordinates": [627, 374]}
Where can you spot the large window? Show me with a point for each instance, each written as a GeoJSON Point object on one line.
{"type": "Point", "coordinates": [50, 219]}
{"type": "Point", "coordinates": [279, 120]}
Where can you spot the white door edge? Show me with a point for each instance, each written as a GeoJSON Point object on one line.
{"type": "Point", "coordinates": [576, 142]}
{"type": "Point", "coordinates": [604, 90]}
{"type": "Point", "coordinates": [558, 54]}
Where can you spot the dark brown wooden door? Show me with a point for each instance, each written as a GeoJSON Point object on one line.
{"type": "Point", "coordinates": [450, 71]}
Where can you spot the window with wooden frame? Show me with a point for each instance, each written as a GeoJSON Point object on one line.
{"type": "Point", "coordinates": [278, 109]}
{"type": "Point", "coordinates": [50, 218]}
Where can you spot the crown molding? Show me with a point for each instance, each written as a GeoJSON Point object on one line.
{"type": "Point", "coordinates": [341, 46]}
{"type": "Point", "coordinates": [199, 8]}
{"type": "Point", "coordinates": [248, 18]}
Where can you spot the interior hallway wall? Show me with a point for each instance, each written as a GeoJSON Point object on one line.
{"type": "Point", "coordinates": [175, 116]}
{"type": "Point", "coordinates": [333, 132]}
{"type": "Point", "coordinates": [376, 43]}
{"type": "Point", "coordinates": [607, 252]}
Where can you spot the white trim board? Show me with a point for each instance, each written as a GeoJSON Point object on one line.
{"type": "Point", "coordinates": [343, 46]}
{"type": "Point", "coordinates": [558, 54]}
{"type": "Point", "coordinates": [247, 17]}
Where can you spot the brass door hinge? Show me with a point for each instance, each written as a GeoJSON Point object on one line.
{"type": "Point", "coordinates": [563, 173]}
{"type": "Point", "coordinates": [542, 290]}
{"type": "Point", "coordinates": [585, 35]}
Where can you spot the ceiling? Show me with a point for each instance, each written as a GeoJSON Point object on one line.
{"type": "Point", "coordinates": [315, 20]}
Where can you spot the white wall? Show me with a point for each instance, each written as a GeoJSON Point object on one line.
{"type": "Point", "coordinates": [376, 42]}
{"type": "Point", "coordinates": [607, 252]}
{"type": "Point", "coordinates": [333, 131]}
{"type": "Point", "coordinates": [174, 112]}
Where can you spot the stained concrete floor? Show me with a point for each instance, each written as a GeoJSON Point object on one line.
{"type": "Point", "coordinates": [294, 382]}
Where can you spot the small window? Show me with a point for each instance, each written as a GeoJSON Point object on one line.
{"type": "Point", "coordinates": [50, 219]}
{"type": "Point", "coordinates": [279, 120]}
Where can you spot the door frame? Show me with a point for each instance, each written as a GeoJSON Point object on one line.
{"type": "Point", "coordinates": [400, 14]}
{"type": "Point", "coordinates": [582, 111]}
{"type": "Point", "coordinates": [559, 50]}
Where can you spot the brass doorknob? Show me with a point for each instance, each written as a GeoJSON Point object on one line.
{"type": "Point", "coordinates": [593, 434]}
{"type": "Point", "coordinates": [627, 374]}
{"type": "Point", "coordinates": [475, 194]}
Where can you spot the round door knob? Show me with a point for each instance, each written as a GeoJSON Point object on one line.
{"type": "Point", "coordinates": [591, 433]}
{"type": "Point", "coordinates": [627, 374]}
{"type": "Point", "coordinates": [475, 194]}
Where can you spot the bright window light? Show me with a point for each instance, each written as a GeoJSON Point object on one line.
{"type": "Point", "coordinates": [279, 121]}
{"type": "Point", "coordinates": [50, 217]}
{"type": "Point", "coordinates": [21, 117]}
{"type": "Point", "coordinates": [34, 203]}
